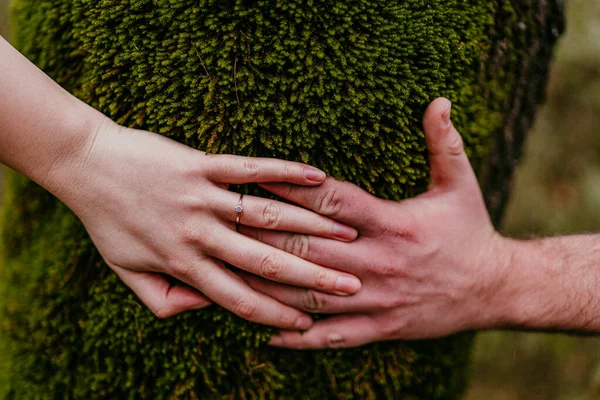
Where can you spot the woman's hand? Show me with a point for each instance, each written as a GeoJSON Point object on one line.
{"type": "Point", "coordinates": [154, 207]}
{"type": "Point", "coordinates": [427, 265]}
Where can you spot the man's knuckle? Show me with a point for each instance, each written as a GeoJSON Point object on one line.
{"type": "Point", "coordinates": [389, 302]}
{"type": "Point", "coordinates": [259, 235]}
{"type": "Point", "coordinates": [271, 266]}
{"type": "Point", "coordinates": [330, 202]}
{"type": "Point", "coordinates": [405, 230]}
{"type": "Point", "coordinates": [335, 341]}
{"type": "Point", "coordinates": [251, 167]}
{"type": "Point", "coordinates": [322, 279]}
{"type": "Point", "coordinates": [456, 145]}
{"type": "Point", "coordinates": [389, 271]}
{"type": "Point", "coordinates": [410, 223]}
{"type": "Point", "coordinates": [387, 329]}
{"type": "Point", "coordinates": [271, 215]}
{"type": "Point", "coordinates": [289, 191]}
{"type": "Point", "coordinates": [298, 245]}
{"type": "Point", "coordinates": [245, 307]}
{"type": "Point", "coordinates": [434, 150]}
{"type": "Point", "coordinates": [301, 345]}
{"type": "Point", "coordinates": [290, 170]}
{"type": "Point", "coordinates": [312, 302]}
{"type": "Point", "coordinates": [287, 320]}
{"type": "Point", "coordinates": [401, 233]}
{"type": "Point", "coordinates": [393, 328]}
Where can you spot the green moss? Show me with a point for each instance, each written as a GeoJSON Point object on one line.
{"type": "Point", "coordinates": [341, 85]}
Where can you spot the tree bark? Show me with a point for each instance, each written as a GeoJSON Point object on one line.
{"type": "Point", "coordinates": [531, 76]}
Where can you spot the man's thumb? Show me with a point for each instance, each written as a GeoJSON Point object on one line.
{"type": "Point", "coordinates": [449, 164]}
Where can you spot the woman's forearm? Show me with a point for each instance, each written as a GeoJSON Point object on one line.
{"type": "Point", "coordinates": [45, 132]}
{"type": "Point", "coordinates": [154, 207]}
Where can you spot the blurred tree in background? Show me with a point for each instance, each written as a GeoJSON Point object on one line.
{"type": "Point", "coordinates": [4, 31]}
{"type": "Point", "coordinates": [557, 192]}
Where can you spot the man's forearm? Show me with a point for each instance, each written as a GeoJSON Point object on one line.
{"type": "Point", "coordinates": [42, 126]}
{"type": "Point", "coordinates": [551, 284]}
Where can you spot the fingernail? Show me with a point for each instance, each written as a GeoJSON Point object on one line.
{"type": "Point", "coordinates": [304, 322]}
{"type": "Point", "coordinates": [276, 341]}
{"type": "Point", "coordinates": [346, 285]}
{"type": "Point", "coordinates": [446, 115]}
{"type": "Point", "coordinates": [315, 175]}
{"type": "Point", "coordinates": [341, 231]}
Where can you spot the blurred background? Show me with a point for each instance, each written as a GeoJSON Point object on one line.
{"type": "Point", "coordinates": [3, 360]}
{"type": "Point", "coordinates": [557, 192]}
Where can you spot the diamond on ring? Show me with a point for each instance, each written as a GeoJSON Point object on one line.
{"type": "Point", "coordinates": [238, 209]}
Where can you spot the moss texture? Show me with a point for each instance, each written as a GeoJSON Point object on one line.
{"type": "Point", "coordinates": [341, 85]}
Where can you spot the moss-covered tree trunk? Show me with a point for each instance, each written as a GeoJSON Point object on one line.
{"type": "Point", "coordinates": [339, 84]}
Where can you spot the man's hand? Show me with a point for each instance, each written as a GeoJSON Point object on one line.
{"type": "Point", "coordinates": [429, 265]}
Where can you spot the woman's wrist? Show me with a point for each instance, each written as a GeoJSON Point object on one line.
{"type": "Point", "coordinates": [46, 133]}
{"type": "Point", "coordinates": [71, 158]}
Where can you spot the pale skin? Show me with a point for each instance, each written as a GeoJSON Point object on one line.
{"type": "Point", "coordinates": [154, 207]}
{"type": "Point", "coordinates": [421, 268]}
